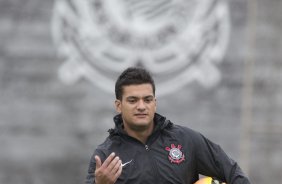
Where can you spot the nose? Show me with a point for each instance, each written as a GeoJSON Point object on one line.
{"type": "Point", "coordinates": [141, 105]}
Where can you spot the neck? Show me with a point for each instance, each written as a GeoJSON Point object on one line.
{"type": "Point", "coordinates": [142, 136]}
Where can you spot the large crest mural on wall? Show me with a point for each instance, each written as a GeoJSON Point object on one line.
{"type": "Point", "coordinates": [178, 41]}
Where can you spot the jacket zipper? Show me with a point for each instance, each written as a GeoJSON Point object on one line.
{"type": "Point", "coordinates": [155, 168]}
{"type": "Point", "coordinates": [146, 147]}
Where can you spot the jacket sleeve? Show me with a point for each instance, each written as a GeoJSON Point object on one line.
{"type": "Point", "coordinates": [213, 161]}
{"type": "Point", "coordinates": [90, 178]}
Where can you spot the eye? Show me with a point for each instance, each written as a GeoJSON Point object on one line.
{"type": "Point", "coordinates": [148, 99]}
{"type": "Point", "coordinates": [131, 100]}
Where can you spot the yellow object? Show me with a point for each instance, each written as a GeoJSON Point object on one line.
{"type": "Point", "coordinates": [208, 180]}
{"type": "Point", "coordinates": [205, 180]}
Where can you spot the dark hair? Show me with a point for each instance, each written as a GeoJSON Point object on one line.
{"type": "Point", "coordinates": [133, 76]}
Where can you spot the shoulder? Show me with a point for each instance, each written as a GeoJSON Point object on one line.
{"type": "Point", "coordinates": [182, 132]}
{"type": "Point", "coordinates": [193, 138]}
{"type": "Point", "coordinates": [187, 134]}
{"type": "Point", "coordinates": [106, 147]}
{"type": "Point", "coordinates": [109, 142]}
{"type": "Point", "coordinates": [185, 131]}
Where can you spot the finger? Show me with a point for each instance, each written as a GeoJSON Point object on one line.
{"type": "Point", "coordinates": [113, 163]}
{"type": "Point", "coordinates": [116, 167]}
{"type": "Point", "coordinates": [109, 160]}
{"type": "Point", "coordinates": [98, 162]}
{"type": "Point", "coordinates": [118, 173]}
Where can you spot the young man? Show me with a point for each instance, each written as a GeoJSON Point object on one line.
{"type": "Point", "coordinates": [146, 148]}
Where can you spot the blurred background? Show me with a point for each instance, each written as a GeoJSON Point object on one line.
{"type": "Point", "coordinates": [217, 65]}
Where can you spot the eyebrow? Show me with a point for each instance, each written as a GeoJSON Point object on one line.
{"type": "Point", "coordinates": [136, 97]}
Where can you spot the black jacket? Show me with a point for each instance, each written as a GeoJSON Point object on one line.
{"type": "Point", "coordinates": [173, 154]}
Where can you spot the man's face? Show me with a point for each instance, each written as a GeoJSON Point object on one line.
{"type": "Point", "coordinates": [138, 106]}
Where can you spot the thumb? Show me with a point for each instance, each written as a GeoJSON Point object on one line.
{"type": "Point", "coordinates": [98, 162]}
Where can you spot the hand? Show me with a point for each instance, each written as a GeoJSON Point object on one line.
{"type": "Point", "coordinates": [109, 171]}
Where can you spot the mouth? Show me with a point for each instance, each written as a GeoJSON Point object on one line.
{"type": "Point", "coordinates": [141, 115]}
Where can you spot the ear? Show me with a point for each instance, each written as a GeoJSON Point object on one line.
{"type": "Point", "coordinates": [118, 105]}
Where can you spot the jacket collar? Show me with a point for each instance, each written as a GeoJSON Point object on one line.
{"type": "Point", "coordinates": [160, 123]}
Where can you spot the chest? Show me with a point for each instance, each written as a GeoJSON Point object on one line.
{"type": "Point", "coordinates": [165, 160]}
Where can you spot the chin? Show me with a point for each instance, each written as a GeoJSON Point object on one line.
{"type": "Point", "coordinates": [139, 127]}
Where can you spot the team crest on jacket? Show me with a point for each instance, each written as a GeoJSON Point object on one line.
{"type": "Point", "coordinates": [175, 154]}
